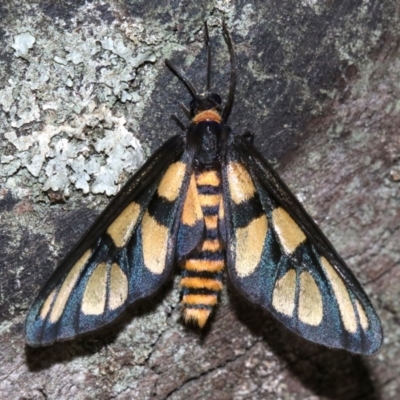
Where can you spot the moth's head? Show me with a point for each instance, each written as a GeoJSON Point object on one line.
{"type": "Point", "coordinates": [205, 102]}
{"type": "Point", "coordinates": [208, 105]}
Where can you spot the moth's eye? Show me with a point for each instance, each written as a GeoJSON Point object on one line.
{"type": "Point", "coordinates": [215, 97]}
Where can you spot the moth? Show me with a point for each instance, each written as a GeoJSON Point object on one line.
{"type": "Point", "coordinates": [205, 202]}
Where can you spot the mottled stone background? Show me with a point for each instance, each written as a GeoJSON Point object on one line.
{"type": "Point", "coordinates": [85, 98]}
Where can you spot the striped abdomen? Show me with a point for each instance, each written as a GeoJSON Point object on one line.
{"type": "Point", "coordinates": [202, 269]}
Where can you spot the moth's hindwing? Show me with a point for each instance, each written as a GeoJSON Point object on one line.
{"type": "Point", "coordinates": [279, 259]}
{"type": "Point", "coordinates": [126, 255]}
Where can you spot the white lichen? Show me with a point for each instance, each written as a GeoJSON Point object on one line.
{"type": "Point", "coordinates": [22, 44]}
{"type": "Point", "coordinates": [57, 112]}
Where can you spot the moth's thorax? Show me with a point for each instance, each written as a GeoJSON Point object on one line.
{"type": "Point", "coordinates": [205, 138]}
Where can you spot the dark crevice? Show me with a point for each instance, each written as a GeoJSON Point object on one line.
{"type": "Point", "coordinates": [211, 370]}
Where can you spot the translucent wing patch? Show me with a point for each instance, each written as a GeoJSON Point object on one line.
{"type": "Point", "coordinates": [126, 255]}
{"type": "Point", "coordinates": [280, 260]}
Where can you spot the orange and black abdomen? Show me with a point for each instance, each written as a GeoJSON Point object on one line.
{"type": "Point", "coordinates": [202, 269]}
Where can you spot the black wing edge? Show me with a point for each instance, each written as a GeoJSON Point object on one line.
{"type": "Point", "coordinates": [264, 175]}
{"type": "Point", "coordinates": [145, 179]}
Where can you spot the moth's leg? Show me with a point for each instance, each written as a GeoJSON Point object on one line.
{"type": "Point", "coordinates": [179, 122]}
{"type": "Point", "coordinates": [185, 110]}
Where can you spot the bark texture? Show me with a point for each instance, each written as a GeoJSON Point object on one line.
{"type": "Point", "coordinates": [318, 84]}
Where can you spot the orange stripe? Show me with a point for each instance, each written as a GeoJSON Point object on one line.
{"type": "Point", "coordinates": [207, 115]}
{"type": "Point", "coordinates": [211, 245]}
{"type": "Point", "coordinates": [208, 178]}
{"type": "Point", "coordinates": [205, 265]}
{"type": "Point", "coordinates": [201, 283]}
{"type": "Point", "coordinates": [200, 299]}
{"type": "Point", "coordinates": [196, 316]}
{"type": "Point", "coordinates": [211, 221]}
{"type": "Point", "coordinates": [209, 200]}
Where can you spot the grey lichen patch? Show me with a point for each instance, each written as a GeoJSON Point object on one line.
{"type": "Point", "coordinates": [245, 21]}
{"type": "Point", "coordinates": [350, 48]}
{"type": "Point", "coordinates": [58, 118]}
{"type": "Point", "coordinates": [315, 5]}
{"type": "Point", "coordinates": [22, 43]}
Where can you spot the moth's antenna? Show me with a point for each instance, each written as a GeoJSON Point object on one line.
{"type": "Point", "coordinates": [207, 40]}
{"type": "Point", "coordinates": [186, 81]}
{"type": "Point", "coordinates": [232, 82]}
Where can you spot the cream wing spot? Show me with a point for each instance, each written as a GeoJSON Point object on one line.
{"type": "Point", "coordinates": [47, 304]}
{"type": "Point", "coordinates": [155, 242]}
{"type": "Point", "coordinates": [118, 287]}
{"type": "Point", "coordinates": [289, 233]}
{"type": "Point", "coordinates": [346, 308]}
{"type": "Point", "coordinates": [362, 316]}
{"type": "Point", "coordinates": [67, 287]}
{"type": "Point", "coordinates": [94, 297]}
{"type": "Point", "coordinates": [249, 245]}
{"type": "Point", "coordinates": [121, 229]}
{"type": "Point", "coordinates": [284, 293]}
{"type": "Point", "coordinates": [310, 300]}
{"type": "Point", "coordinates": [192, 211]}
{"type": "Point", "coordinates": [221, 211]}
{"type": "Point", "coordinates": [241, 187]}
{"type": "Point", "coordinates": [171, 182]}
